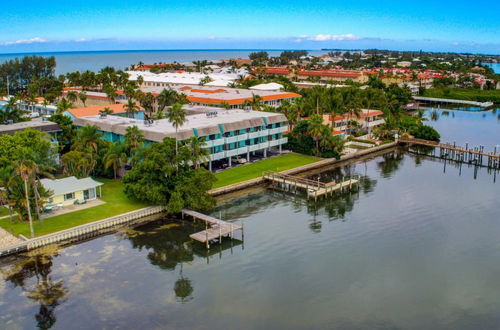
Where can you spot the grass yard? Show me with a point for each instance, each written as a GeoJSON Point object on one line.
{"type": "Point", "coordinates": [3, 211]}
{"type": "Point", "coordinates": [116, 203]}
{"type": "Point", "coordinates": [254, 170]}
{"type": "Point", "coordinates": [468, 94]}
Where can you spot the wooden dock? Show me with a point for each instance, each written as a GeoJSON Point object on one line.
{"type": "Point", "coordinates": [475, 155]}
{"type": "Point", "coordinates": [216, 229]}
{"type": "Point", "coordinates": [313, 188]}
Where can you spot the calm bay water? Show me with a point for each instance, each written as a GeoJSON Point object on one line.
{"type": "Point", "coordinates": [494, 66]}
{"type": "Point", "coordinates": [94, 61]}
{"type": "Point", "coordinates": [415, 248]}
{"type": "Point", "coordinates": [481, 128]}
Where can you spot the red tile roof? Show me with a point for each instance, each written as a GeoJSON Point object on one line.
{"type": "Point", "coordinates": [93, 110]}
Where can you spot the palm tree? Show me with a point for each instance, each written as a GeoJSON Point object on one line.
{"type": "Point", "coordinates": [225, 105]}
{"type": "Point", "coordinates": [83, 98]}
{"type": "Point", "coordinates": [88, 137]}
{"type": "Point", "coordinates": [11, 111]}
{"type": "Point", "coordinates": [115, 157]}
{"type": "Point", "coordinates": [131, 108]}
{"type": "Point", "coordinates": [110, 92]}
{"type": "Point", "coordinates": [315, 129]}
{"type": "Point", "coordinates": [133, 138]}
{"type": "Point", "coordinates": [199, 153]}
{"type": "Point", "coordinates": [256, 102]}
{"type": "Point", "coordinates": [72, 96]}
{"type": "Point", "coordinates": [177, 117]}
{"type": "Point", "coordinates": [106, 111]}
{"type": "Point", "coordinates": [25, 170]}
{"type": "Point", "coordinates": [5, 180]}
{"type": "Point", "coordinates": [62, 106]}
{"type": "Point", "coordinates": [166, 98]}
{"type": "Point", "coordinates": [45, 103]}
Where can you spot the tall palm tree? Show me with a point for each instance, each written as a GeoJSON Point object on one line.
{"type": "Point", "coordinates": [315, 129]}
{"type": "Point", "coordinates": [83, 98]}
{"type": "Point", "coordinates": [115, 157]}
{"type": "Point", "coordinates": [131, 108]}
{"type": "Point", "coordinates": [177, 117]}
{"type": "Point", "coordinates": [25, 170]}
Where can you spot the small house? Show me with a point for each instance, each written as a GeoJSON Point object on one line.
{"type": "Point", "coordinates": [71, 190]}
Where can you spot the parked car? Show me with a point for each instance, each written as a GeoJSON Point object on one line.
{"type": "Point", "coordinates": [239, 160]}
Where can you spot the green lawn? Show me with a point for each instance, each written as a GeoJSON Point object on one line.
{"type": "Point", "coordinates": [3, 211]}
{"type": "Point", "coordinates": [468, 94]}
{"type": "Point", "coordinates": [254, 170]}
{"type": "Point", "coordinates": [116, 203]}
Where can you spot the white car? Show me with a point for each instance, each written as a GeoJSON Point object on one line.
{"type": "Point", "coordinates": [239, 160]}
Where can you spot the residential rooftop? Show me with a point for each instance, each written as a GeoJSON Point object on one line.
{"type": "Point", "coordinates": [215, 122]}
{"type": "Point", "coordinates": [232, 96]}
{"type": "Point", "coordinates": [38, 123]}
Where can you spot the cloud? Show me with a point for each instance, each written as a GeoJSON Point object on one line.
{"type": "Point", "coordinates": [211, 37]}
{"type": "Point", "coordinates": [23, 41]}
{"type": "Point", "coordinates": [81, 40]}
{"type": "Point", "coordinates": [330, 37]}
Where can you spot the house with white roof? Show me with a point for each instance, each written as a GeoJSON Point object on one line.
{"type": "Point", "coordinates": [71, 190]}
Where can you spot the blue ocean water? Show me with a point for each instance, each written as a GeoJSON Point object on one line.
{"type": "Point", "coordinates": [494, 66]}
{"type": "Point", "coordinates": [95, 60]}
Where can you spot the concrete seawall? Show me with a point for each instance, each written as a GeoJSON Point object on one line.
{"type": "Point", "coordinates": [322, 163]}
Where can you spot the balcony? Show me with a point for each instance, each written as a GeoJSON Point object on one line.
{"type": "Point", "coordinates": [374, 123]}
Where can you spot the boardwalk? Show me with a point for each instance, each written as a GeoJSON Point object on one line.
{"type": "Point", "coordinates": [439, 100]}
{"type": "Point", "coordinates": [216, 228]}
{"type": "Point", "coordinates": [475, 155]}
{"type": "Point", "coordinates": [313, 188]}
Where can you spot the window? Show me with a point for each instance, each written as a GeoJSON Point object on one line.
{"type": "Point", "coordinates": [69, 196]}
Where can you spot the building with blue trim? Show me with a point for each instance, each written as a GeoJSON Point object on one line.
{"type": "Point", "coordinates": [227, 133]}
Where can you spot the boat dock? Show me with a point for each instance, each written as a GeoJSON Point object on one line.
{"type": "Point", "coordinates": [475, 155]}
{"type": "Point", "coordinates": [452, 101]}
{"type": "Point", "coordinates": [215, 228]}
{"type": "Point", "coordinates": [313, 188]}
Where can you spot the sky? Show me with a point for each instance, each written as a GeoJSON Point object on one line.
{"type": "Point", "coordinates": [464, 26]}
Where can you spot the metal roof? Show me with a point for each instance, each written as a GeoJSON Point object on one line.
{"type": "Point", "coordinates": [69, 185]}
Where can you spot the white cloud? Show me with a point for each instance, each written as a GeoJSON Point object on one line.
{"type": "Point", "coordinates": [330, 37]}
{"type": "Point", "coordinates": [211, 37]}
{"type": "Point", "coordinates": [81, 40]}
{"type": "Point", "coordinates": [23, 41]}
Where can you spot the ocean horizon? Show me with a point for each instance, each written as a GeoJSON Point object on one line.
{"type": "Point", "coordinates": [120, 59]}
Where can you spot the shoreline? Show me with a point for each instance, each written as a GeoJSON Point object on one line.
{"type": "Point", "coordinates": [71, 235]}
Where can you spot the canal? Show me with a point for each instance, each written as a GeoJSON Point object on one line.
{"type": "Point", "coordinates": [415, 247]}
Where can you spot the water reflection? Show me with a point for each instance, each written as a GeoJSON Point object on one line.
{"type": "Point", "coordinates": [169, 247]}
{"type": "Point", "coordinates": [31, 273]}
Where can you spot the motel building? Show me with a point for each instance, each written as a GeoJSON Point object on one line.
{"type": "Point", "coordinates": [370, 118]}
{"type": "Point", "coordinates": [229, 135]}
{"type": "Point", "coordinates": [235, 97]}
